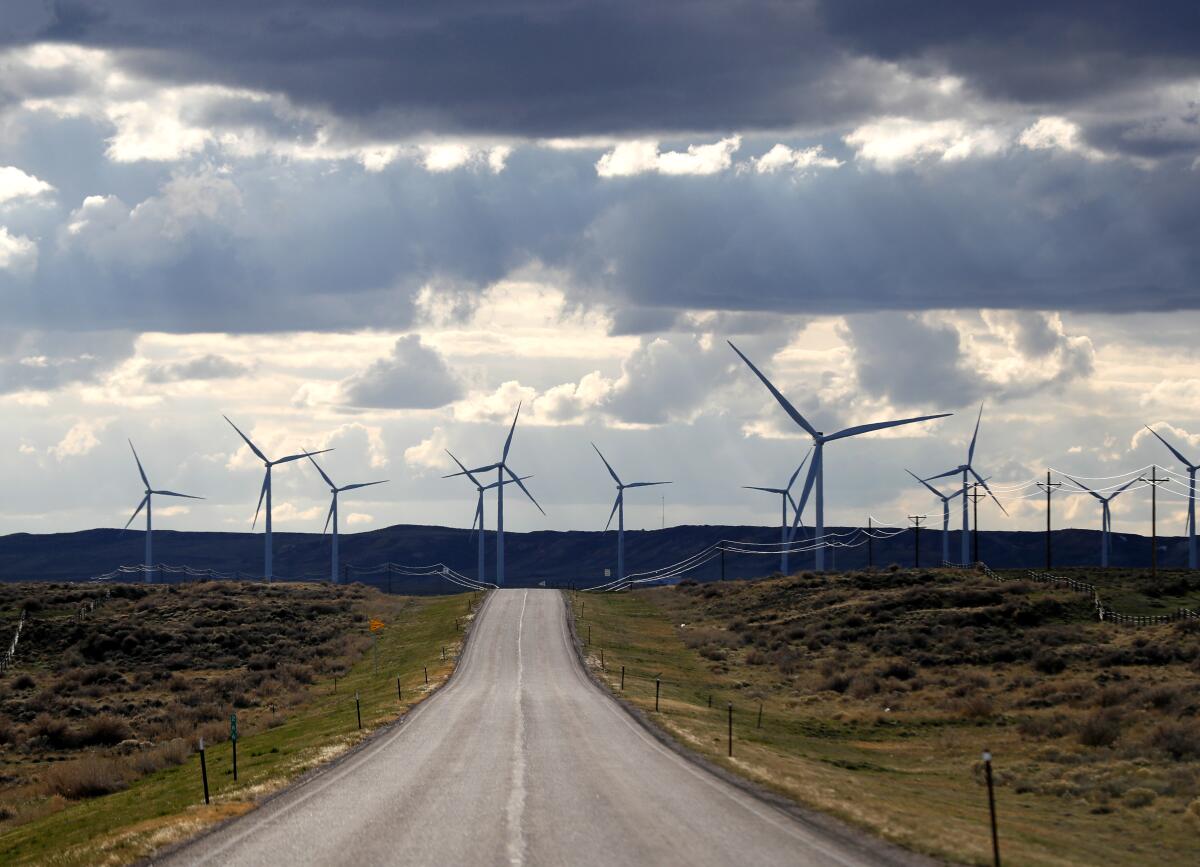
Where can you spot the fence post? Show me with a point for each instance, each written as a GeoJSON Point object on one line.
{"type": "Point", "coordinates": [399, 692]}
{"type": "Point", "coordinates": [622, 678]}
{"type": "Point", "coordinates": [357, 710]}
{"type": "Point", "coordinates": [443, 653]}
{"type": "Point", "coordinates": [601, 657]}
{"type": "Point", "coordinates": [759, 724]}
{"type": "Point", "coordinates": [657, 688]}
{"type": "Point", "coordinates": [710, 699]}
{"type": "Point", "coordinates": [203, 770]}
{"type": "Point", "coordinates": [427, 675]}
{"type": "Point", "coordinates": [987, 770]}
{"type": "Point", "coordinates": [731, 729]}
{"type": "Point", "coordinates": [589, 641]}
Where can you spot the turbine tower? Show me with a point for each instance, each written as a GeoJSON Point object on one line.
{"type": "Point", "coordinates": [785, 497]}
{"type": "Point", "coordinates": [816, 473]}
{"type": "Point", "coordinates": [1105, 516]}
{"type": "Point", "coordinates": [266, 492]}
{"type": "Point", "coordinates": [1191, 470]}
{"type": "Point", "coordinates": [334, 490]}
{"type": "Point", "coordinates": [501, 467]}
{"type": "Point", "coordinates": [147, 504]}
{"type": "Point", "coordinates": [945, 498]}
{"type": "Point", "coordinates": [965, 469]}
{"type": "Point", "coordinates": [478, 519]}
{"type": "Point", "coordinates": [618, 509]}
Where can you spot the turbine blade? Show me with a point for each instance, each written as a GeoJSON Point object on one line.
{"type": "Point", "coordinates": [173, 494]}
{"type": "Point", "coordinates": [478, 519]}
{"type": "Point", "coordinates": [328, 480]}
{"type": "Point", "coordinates": [1084, 487]}
{"type": "Point", "coordinates": [521, 485]}
{"type": "Point", "coordinates": [792, 480]}
{"type": "Point", "coordinates": [616, 503]}
{"type": "Point", "coordinates": [974, 436]}
{"type": "Point", "coordinates": [261, 494]}
{"type": "Point", "coordinates": [983, 482]}
{"type": "Point", "coordinates": [611, 471]}
{"type": "Point", "coordinates": [253, 447]}
{"type": "Point", "coordinates": [141, 472]}
{"type": "Point", "coordinates": [363, 485]}
{"type": "Point", "coordinates": [947, 474]}
{"type": "Point", "coordinates": [768, 490]}
{"type": "Point", "coordinates": [329, 517]}
{"type": "Point", "coordinates": [465, 471]}
{"type": "Point", "coordinates": [511, 430]}
{"type": "Point", "coordinates": [1120, 489]}
{"type": "Point", "coordinates": [290, 458]}
{"type": "Point", "coordinates": [1174, 450]}
{"type": "Point", "coordinates": [880, 425]}
{"type": "Point", "coordinates": [813, 468]}
{"type": "Point", "coordinates": [935, 491]}
{"type": "Point", "coordinates": [136, 511]}
{"type": "Point", "coordinates": [646, 484]}
{"type": "Point", "coordinates": [783, 401]}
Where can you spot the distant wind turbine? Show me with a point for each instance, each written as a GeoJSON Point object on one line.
{"type": "Point", "coordinates": [268, 554]}
{"type": "Point", "coordinates": [334, 490]}
{"type": "Point", "coordinates": [945, 498]}
{"type": "Point", "coordinates": [147, 504]}
{"type": "Point", "coordinates": [618, 509]}
{"type": "Point", "coordinates": [1105, 516]}
{"type": "Point", "coordinates": [785, 497]}
{"type": "Point", "coordinates": [501, 467]}
{"type": "Point", "coordinates": [816, 473]}
{"type": "Point", "coordinates": [1191, 519]}
{"type": "Point", "coordinates": [478, 519]}
{"type": "Point", "coordinates": [965, 469]}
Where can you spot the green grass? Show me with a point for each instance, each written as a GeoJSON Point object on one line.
{"type": "Point", "coordinates": [168, 805]}
{"type": "Point", "coordinates": [901, 758]}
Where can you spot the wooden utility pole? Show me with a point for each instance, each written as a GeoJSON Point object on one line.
{"type": "Point", "coordinates": [1048, 486]}
{"type": "Point", "coordinates": [916, 519]}
{"type": "Point", "coordinates": [1154, 481]}
{"type": "Point", "coordinates": [975, 498]}
{"type": "Point", "coordinates": [870, 539]}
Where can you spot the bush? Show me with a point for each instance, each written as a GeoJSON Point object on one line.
{"type": "Point", "coordinates": [1179, 740]}
{"type": "Point", "coordinates": [977, 707]}
{"type": "Point", "coordinates": [899, 671]}
{"type": "Point", "coordinates": [1049, 663]}
{"type": "Point", "coordinates": [85, 778]}
{"type": "Point", "coordinates": [1100, 729]}
{"type": "Point", "coordinates": [1139, 797]}
{"type": "Point", "coordinates": [104, 730]}
{"type": "Point", "coordinates": [23, 681]}
{"type": "Point", "coordinates": [55, 731]}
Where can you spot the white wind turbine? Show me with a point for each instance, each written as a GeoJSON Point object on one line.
{"type": "Point", "coordinates": [268, 554]}
{"type": "Point", "coordinates": [478, 519]}
{"type": "Point", "coordinates": [816, 470]}
{"type": "Point", "coordinates": [945, 498]}
{"type": "Point", "coordinates": [785, 497]}
{"type": "Point", "coordinates": [1191, 519]}
{"type": "Point", "coordinates": [147, 504]}
{"type": "Point", "coordinates": [1105, 516]}
{"type": "Point", "coordinates": [334, 490]}
{"type": "Point", "coordinates": [619, 510]}
{"type": "Point", "coordinates": [965, 469]}
{"type": "Point", "coordinates": [501, 467]}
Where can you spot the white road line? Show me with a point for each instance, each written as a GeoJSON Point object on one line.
{"type": "Point", "coordinates": [516, 795]}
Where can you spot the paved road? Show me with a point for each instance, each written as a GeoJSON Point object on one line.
{"type": "Point", "coordinates": [520, 759]}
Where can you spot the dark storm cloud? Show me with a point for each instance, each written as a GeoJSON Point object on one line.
{"type": "Point", "coordinates": [414, 376]}
{"type": "Point", "coordinates": [47, 360]}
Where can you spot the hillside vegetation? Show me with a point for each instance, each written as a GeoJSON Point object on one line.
{"type": "Point", "coordinates": [113, 687]}
{"type": "Point", "coordinates": [881, 689]}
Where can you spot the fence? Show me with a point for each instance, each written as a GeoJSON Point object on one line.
{"type": "Point", "coordinates": [11, 653]}
{"type": "Point", "coordinates": [162, 573]}
{"type": "Point", "coordinates": [1104, 612]}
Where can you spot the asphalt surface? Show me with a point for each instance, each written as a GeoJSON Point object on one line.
{"type": "Point", "coordinates": [521, 759]}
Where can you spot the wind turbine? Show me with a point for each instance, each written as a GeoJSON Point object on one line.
{"type": "Point", "coordinates": [1106, 516]}
{"type": "Point", "coordinates": [945, 498]}
{"type": "Point", "coordinates": [1191, 470]}
{"type": "Point", "coordinates": [816, 473]}
{"type": "Point", "coordinates": [147, 504]}
{"type": "Point", "coordinates": [334, 490]}
{"type": "Point", "coordinates": [619, 510]}
{"type": "Point", "coordinates": [965, 469]}
{"type": "Point", "coordinates": [266, 492]}
{"type": "Point", "coordinates": [785, 497]}
{"type": "Point", "coordinates": [501, 467]}
{"type": "Point", "coordinates": [478, 519]}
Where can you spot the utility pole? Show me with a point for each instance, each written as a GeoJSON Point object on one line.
{"type": "Point", "coordinates": [664, 513]}
{"type": "Point", "coordinates": [916, 519]}
{"type": "Point", "coordinates": [975, 498]}
{"type": "Point", "coordinates": [870, 539]}
{"type": "Point", "coordinates": [1048, 486]}
{"type": "Point", "coordinates": [722, 560]}
{"type": "Point", "coordinates": [1154, 481]}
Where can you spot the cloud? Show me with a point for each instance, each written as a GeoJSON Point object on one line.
{"type": "Point", "coordinates": [429, 453]}
{"type": "Point", "coordinates": [16, 184]}
{"type": "Point", "coordinates": [82, 438]}
{"type": "Point", "coordinates": [781, 158]}
{"type": "Point", "coordinates": [890, 142]}
{"type": "Point", "coordinates": [18, 254]}
{"type": "Point", "coordinates": [32, 360]}
{"type": "Point", "coordinates": [202, 367]}
{"type": "Point", "coordinates": [639, 157]}
{"type": "Point", "coordinates": [1058, 133]}
{"type": "Point", "coordinates": [414, 376]}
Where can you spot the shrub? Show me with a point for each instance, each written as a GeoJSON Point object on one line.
{"type": "Point", "coordinates": [1139, 797]}
{"type": "Point", "coordinates": [899, 671]}
{"type": "Point", "coordinates": [104, 730]}
{"type": "Point", "coordinates": [977, 707]}
{"type": "Point", "coordinates": [1049, 663]}
{"type": "Point", "coordinates": [1100, 729]}
{"type": "Point", "coordinates": [23, 681]}
{"type": "Point", "coordinates": [85, 778]}
{"type": "Point", "coordinates": [863, 686]}
{"type": "Point", "coordinates": [53, 729]}
{"type": "Point", "coordinates": [836, 682]}
{"type": "Point", "coordinates": [1180, 740]}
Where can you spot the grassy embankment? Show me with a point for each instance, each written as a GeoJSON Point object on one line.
{"type": "Point", "coordinates": [880, 691]}
{"type": "Point", "coordinates": [101, 715]}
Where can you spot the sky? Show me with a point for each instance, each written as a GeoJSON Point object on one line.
{"type": "Point", "coordinates": [378, 227]}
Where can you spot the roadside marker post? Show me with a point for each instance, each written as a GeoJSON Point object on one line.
{"type": "Point", "coordinates": [399, 692]}
{"type": "Point", "coordinates": [589, 641]}
{"type": "Point", "coordinates": [759, 724]}
{"type": "Point", "coordinates": [602, 658]}
{"type": "Point", "coordinates": [731, 729]}
{"type": "Point", "coordinates": [203, 770]}
{"type": "Point", "coordinates": [427, 675]}
{"type": "Point", "coordinates": [233, 737]}
{"type": "Point", "coordinates": [710, 699]}
{"type": "Point", "coordinates": [987, 770]}
{"type": "Point", "coordinates": [622, 678]}
{"type": "Point", "coordinates": [443, 653]}
{"type": "Point", "coordinates": [657, 688]}
{"type": "Point", "coordinates": [358, 710]}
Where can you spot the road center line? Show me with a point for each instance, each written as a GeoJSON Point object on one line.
{"type": "Point", "coordinates": [516, 795]}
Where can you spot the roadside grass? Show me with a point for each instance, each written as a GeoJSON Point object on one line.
{"type": "Point", "coordinates": [880, 691]}
{"type": "Point", "coordinates": [278, 742]}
